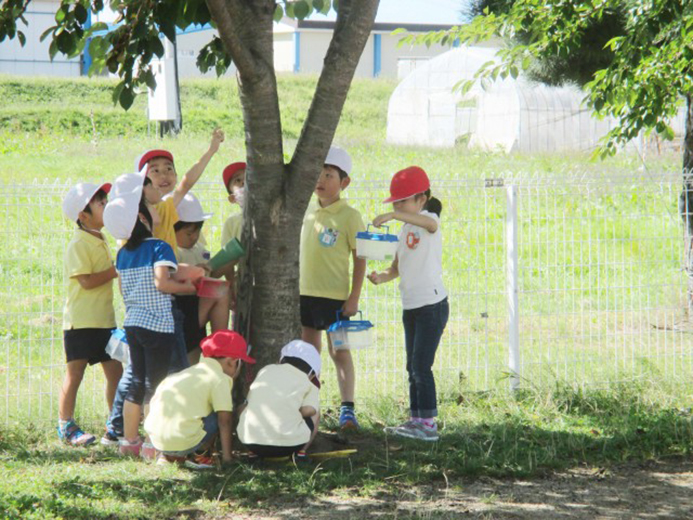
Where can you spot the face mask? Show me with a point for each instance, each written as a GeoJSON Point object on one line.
{"type": "Point", "coordinates": [239, 194]}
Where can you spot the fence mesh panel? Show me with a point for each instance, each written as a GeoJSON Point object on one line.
{"type": "Point", "coordinates": [600, 275]}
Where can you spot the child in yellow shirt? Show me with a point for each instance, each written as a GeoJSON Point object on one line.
{"type": "Point", "coordinates": [88, 316]}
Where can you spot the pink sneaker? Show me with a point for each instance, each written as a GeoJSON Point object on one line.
{"type": "Point", "coordinates": [148, 451]}
{"type": "Point", "coordinates": [132, 449]}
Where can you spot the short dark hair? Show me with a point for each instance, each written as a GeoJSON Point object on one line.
{"type": "Point", "coordinates": [182, 224]}
{"type": "Point", "coordinates": [342, 174]}
{"type": "Point", "coordinates": [297, 363]}
{"type": "Point", "coordinates": [98, 196]}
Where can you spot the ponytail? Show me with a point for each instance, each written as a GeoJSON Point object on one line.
{"type": "Point", "coordinates": [140, 232]}
{"type": "Point", "coordinates": [432, 204]}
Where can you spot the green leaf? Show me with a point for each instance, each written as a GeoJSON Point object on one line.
{"type": "Point", "coordinates": [81, 13]}
{"type": "Point", "coordinates": [46, 33]}
{"type": "Point", "coordinates": [278, 13]}
{"type": "Point", "coordinates": [66, 42]}
{"type": "Point", "coordinates": [22, 38]}
{"type": "Point", "coordinates": [53, 49]}
{"type": "Point", "coordinates": [60, 14]}
{"type": "Point", "coordinates": [301, 9]}
{"type": "Point", "coordinates": [156, 46]}
{"type": "Point", "coordinates": [318, 5]}
{"type": "Point", "coordinates": [127, 97]}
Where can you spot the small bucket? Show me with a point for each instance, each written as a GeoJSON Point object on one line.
{"type": "Point", "coordinates": [373, 245]}
{"type": "Point", "coordinates": [351, 334]}
{"type": "Point", "coordinates": [232, 251]}
{"type": "Point", "coordinates": [211, 287]}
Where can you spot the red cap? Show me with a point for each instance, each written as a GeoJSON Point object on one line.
{"type": "Point", "coordinates": [226, 343]}
{"type": "Point", "coordinates": [153, 154]}
{"type": "Point", "coordinates": [230, 171]}
{"type": "Point", "coordinates": [407, 183]}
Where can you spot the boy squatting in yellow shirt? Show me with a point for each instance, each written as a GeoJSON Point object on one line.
{"type": "Point", "coordinates": [191, 407]}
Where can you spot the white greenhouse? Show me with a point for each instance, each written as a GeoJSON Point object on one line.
{"type": "Point", "coordinates": [509, 115]}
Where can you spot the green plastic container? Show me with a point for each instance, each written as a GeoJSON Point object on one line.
{"type": "Point", "coordinates": [232, 251]}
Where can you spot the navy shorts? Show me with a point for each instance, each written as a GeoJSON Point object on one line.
{"type": "Point", "coordinates": [189, 305]}
{"type": "Point", "coordinates": [319, 313]}
{"type": "Point", "coordinates": [89, 344]}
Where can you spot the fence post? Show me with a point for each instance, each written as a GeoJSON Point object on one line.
{"type": "Point", "coordinates": [511, 231]}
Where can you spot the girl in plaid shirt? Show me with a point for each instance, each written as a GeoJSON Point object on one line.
{"type": "Point", "coordinates": [145, 265]}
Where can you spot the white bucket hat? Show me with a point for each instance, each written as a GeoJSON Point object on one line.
{"type": "Point", "coordinates": [339, 158]}
{"type": "Point", "coordinates": [189, 209]}
{"type": "Point", "coordinates": [121, 212]}
{"type": "Point", "coordinates": [79, 196]}
{"type": "Point", "coordinates": [304, 351]}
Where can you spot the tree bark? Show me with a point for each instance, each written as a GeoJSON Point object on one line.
{"type": "Point", "coordinates": [686, 200]}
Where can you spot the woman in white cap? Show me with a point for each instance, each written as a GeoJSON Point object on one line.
{"type": "Point", "coordinates": [145, 265]}
{"type": "Point", "coordinates": [281, 417]}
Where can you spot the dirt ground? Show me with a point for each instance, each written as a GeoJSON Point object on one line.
{"type": "Point", "coordinates": [661, 490]}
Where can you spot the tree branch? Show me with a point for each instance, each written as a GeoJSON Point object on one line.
{"type": "Point", "coordinates": [232, 19]}
{"type": "Point", "coordinates": [352, 30]}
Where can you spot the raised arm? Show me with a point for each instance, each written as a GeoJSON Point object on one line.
{"type": "Point", "coordinates": [194, 173]}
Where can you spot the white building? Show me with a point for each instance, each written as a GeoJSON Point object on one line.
{"type": "Point", "coordinates": [300, 45]}
{"type": "Point", "coordinates": [33, 59]}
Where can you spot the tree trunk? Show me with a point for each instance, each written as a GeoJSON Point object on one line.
{"type": "Point", "coordinates": [277, 195]}
{"type": "Point", "coordinates": [686, 200]}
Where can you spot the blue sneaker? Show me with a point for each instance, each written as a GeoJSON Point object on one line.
{"type": "Point", "coordinates": [73, 434]}
{"type": "Point", "coordinates": [347, 419]}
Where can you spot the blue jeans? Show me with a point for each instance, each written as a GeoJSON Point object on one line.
{"type": "Point", "coordinates": [210, 425]}
{"type": "Point", "coordinates": [179, 361]}
{"type": "Point", "coordinates": [423, 328]}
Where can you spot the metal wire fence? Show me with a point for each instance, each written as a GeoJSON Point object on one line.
{"type": "Point", "coordinates": [578, 279]}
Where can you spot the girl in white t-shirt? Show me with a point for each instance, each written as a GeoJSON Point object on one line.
{"type": "Point", "coordinates": [418, 264]}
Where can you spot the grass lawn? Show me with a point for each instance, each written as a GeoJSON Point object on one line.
{"type": "Point", "coordinates": [484, 435]}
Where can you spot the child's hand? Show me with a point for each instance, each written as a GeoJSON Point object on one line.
{"type": "Point", "coordinates": [375, 278]}
{"type": "Point", "coordinates": [187, 287]}
{"type": "Point", "coordinates": [350, 308]}
{"type": "Point", "coordinates": [381, 219]}
{"type": "Point", "coordinates": [217, 139]}
{"type": "Point", "coordinates": [207, 269]}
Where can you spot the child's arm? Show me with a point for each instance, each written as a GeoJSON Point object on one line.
{"type": "Point", "coordinates": [225, 430]}
{"type": "Point", "coordinates": [166, 284]}
{"type": "Point", "coordinates": [415, 219]}
{"type": "Point", "coordinates": [190, 178]}
{"type": "Point", "coordinates": [307, 411]}
{"type": "Point", "coordinates": [94, 280]}
{"type": "Point", "coordinates": [351, 306]}
{"type": "Point", "coordinates": [388, 274]}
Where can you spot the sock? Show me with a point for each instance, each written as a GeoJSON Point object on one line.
{"type": "Point", "coordinates": [348, 404]}
{"type": "Point", "coordinates": [62, 423]}
{"type": "Point", "coordinates": [428, 423]}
